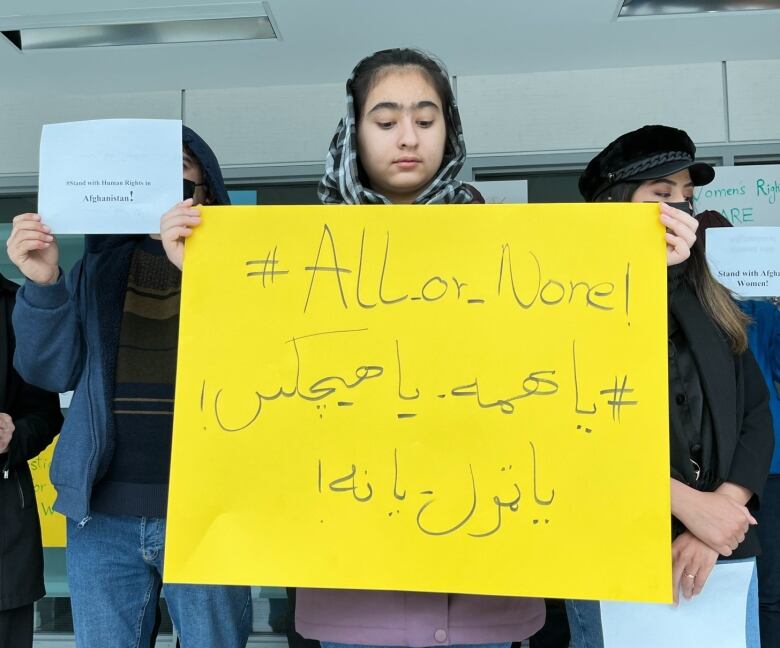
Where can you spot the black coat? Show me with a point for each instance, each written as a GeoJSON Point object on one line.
{"type": "Point", "coordinates": [736, 394]}
{"type": "Point", "coordinates": [37, 419]}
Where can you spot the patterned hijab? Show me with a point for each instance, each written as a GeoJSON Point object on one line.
{"type": "Point", "coordinates": [341, 184]}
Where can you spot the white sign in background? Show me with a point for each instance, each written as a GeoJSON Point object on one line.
{"type": "Point", "coordinates": [746, 259]}
{"type": "Point", "coordinates": [746, 195]}
{"type": "Point", "coordinates": [109, 176]}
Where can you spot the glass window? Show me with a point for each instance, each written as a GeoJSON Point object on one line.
{"type": "Point", "coordinates": [297, 193]}
{"type": "Point", "coordinates": [755, 161]}
{"type": "Point", "coordinates": [543, 187]}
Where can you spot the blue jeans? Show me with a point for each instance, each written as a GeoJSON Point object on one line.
{"type": "Point", "coordinates": [585, 620]}
{"type": "Point", "coordinates": [114, 570]}
{"type": "Point", "coordinates": [584, 624]}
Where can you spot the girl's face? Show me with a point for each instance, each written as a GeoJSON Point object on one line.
{"type": "Point", "coordinates": [401, 134]}
{"type": "Point", "coordinates": [191, 171]}
{"type": "Point", "coordinates": [674, 188]}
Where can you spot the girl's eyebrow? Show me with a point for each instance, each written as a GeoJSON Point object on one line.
{"type": "Point", "coordinates": [391, 105]}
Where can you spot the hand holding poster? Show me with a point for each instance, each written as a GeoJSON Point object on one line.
{"type": "Point", "coordinates": [109, 176]}
{"type": "Point", "coordinates": [466, 398]}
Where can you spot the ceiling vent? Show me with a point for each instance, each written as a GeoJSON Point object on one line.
{"type": "Point", "coordinates": [161, 32]}
{"type": "Point", "coordinates": [636, 8]}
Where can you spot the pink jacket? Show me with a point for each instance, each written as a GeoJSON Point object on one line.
{"type": "Point", "coordinates": [414, 618]}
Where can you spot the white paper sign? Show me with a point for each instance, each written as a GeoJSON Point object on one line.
{"type": "Point", "coordinates": [746, 195]}
{"type": "Point", "coordinates": [109, 176]}
{"type": "Point", "coordinates": [715, 618]}
{"type": "Point", "coordinates": [499, 192]}
{"type": "Point", "coordinates": [746, 260]}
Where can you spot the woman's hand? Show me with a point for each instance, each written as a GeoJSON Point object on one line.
{"type": "Point", "coordinates": [716, 519]}
{"type": "Point", "coordinates": [692, 563]}
{"type": "Point", "coordinates": [176, 225]}
{"type": "Point", "coordinates": [680, 234]}
{"type": "Point", "coordinates": [33, 249]}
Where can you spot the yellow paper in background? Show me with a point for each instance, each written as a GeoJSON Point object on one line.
{"type": "Point", "coordinates": [52, 523]}
{"type": "Point", "coordinates": [435, 398]}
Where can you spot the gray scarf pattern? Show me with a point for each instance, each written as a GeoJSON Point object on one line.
{"type": "Point", "coordinates": [341, 183]}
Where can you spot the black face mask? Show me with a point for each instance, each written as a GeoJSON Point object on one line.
{"type": "Point", "coordinates": [189, 188]}
{"type": "Point", "coordinates": [682, 206]}
{"type": "Point", "coordinates": [686, 206]}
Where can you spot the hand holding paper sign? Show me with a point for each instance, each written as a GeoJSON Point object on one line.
{"type": "Point", "coordinates": [109, 176]}
{"type": "Point", "coordinates": [177, 223]}
{"type": "Point", "coordinates": [33, 249]}
{"type": "Point", "coordinates": [692, 562]}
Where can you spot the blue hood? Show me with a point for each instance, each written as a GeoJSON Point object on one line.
{"type": "Point", "coordinates": [211, 173]}
{"type": "Point", "coordinates": [209, 163]}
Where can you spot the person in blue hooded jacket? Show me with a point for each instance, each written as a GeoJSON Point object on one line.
{"type": "Point", "coordinates": [109, 331]}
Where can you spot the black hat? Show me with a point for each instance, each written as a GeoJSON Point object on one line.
{"type": "Point", "coordinates": [645, 154]}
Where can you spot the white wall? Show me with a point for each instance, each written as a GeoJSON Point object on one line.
{"type": "Point", "coordinates": [507, 114]}
{"type": "Point", "coordinates": [587, 109]}
{"type": "Point", "coordinates": [754, 100]}
{"type": "Point", "coordinates": [273, 125]}
{"type": "Point", "coordinates": [23, 114]}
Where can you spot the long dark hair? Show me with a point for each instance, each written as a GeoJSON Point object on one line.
{"type": "Point", "coordinates": [715, 299]}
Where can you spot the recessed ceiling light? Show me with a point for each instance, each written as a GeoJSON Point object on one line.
{"type": "Point", "coordinates": [633, 8]}
{"type": "Point", "coordinates": [143, 33]}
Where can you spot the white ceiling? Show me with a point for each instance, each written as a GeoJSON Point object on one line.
{"type": "Point", "coordinates": [322, 40]}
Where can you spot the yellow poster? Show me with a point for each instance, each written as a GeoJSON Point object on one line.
{"type": "Point", "coordinates": [434, 398]}
{"type": "Point", "coordinates": [52, 523]}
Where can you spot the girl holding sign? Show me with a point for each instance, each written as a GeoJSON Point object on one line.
{"type": "Point", "coordinates": [401, 142]}
{"type": "Point", "coordinates": [110, 333]}
{"type": "Point", "coordinates": [720, 427]}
